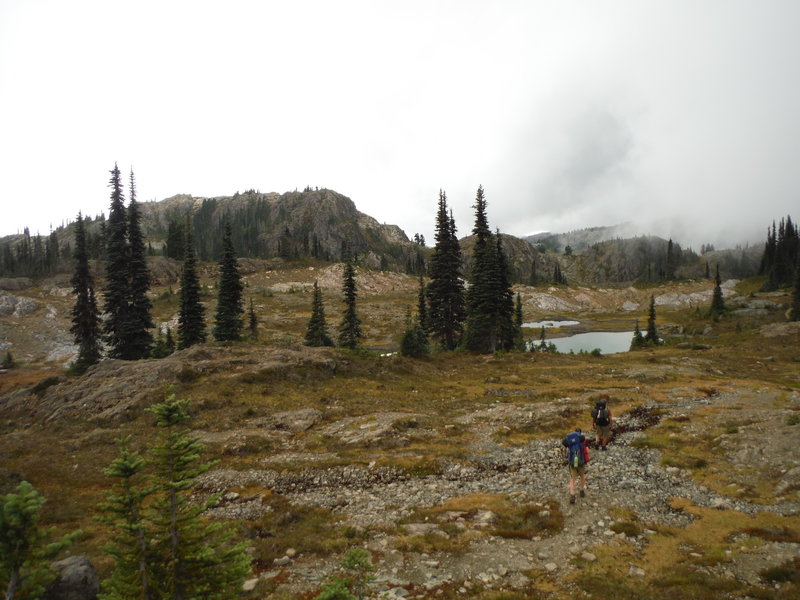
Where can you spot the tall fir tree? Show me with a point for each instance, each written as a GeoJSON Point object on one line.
{"type": "Point", "coordinates": [480, 329]}
{"type": "Point", "coordinates": [651, 337]}
{"type": "Point", "coordinates": [317, 331]}
{"type": "Point", "coordinates": [717, 301]}
{"type": "Point", "coordinates": [508, 331]}
{"type": "Point", "coordinates": [194, 558]}
{"type": "Point", "coordinates": [117, 292]}
{"type": "Point", "coordinates": [350, 328]}
{"type": "Point", "coordinates": [489, 301]}
{"type": "Point", "coordinates": [669, 266]}
{"type": "Point", "coordinates": [85, 314]}
{"type": "Point", "coordinates": [191, 318]}
{"type": "Point", "coordinates": [228, 325]}
{"type": "Point", "coordinates": [445, 291]}
{"type": "Point", "coordinates": [139, 340]}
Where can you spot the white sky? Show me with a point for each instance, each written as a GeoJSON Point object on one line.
{"type": "Point", "coordinates": [682, 114]}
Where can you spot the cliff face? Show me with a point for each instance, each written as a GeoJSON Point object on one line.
{"type": "Point", "coordinates": [314, 223]}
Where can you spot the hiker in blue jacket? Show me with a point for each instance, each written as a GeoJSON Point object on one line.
{"type": "Point", "coordinates": [577, 455]}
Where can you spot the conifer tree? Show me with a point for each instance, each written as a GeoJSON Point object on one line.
{"type": "Point", "coordinates": [25, 549]}
{"type": "Point", "coordinates": [317, 331]}
{"type": "Point", "coordinates": [130, 545]}
{"type": "Point", "coordinates": [117, 293]}
{"type": "Point", "coordinates": [480, 330]}
{"type": "Point", "coordinates": [350, 327]}
{"type": "Point", "coordinates": [414, 342]}
{"type": "Point", "coordinates": [139, 340]}
{"type": "Point", "coordinates": [229, 323]}
{"type": "Point", "coordinates": [508, 331]}
{"type": "Point", "coordinates": [542, 341]}
{"type": "Point", "coordinates": [519, 340]}
{"type": "Point", "coordinates": [194, 559]}
{"type": "Point", "coordinates": [252, 321]}
{"type": "Point", "coordinates": [669, 269]}
{"type": "Point", "coordinates": [651, 337]}
{"type": "Point", "coordinates": [795, 314]}
{"type": "Point", "coordinates": [717, 301]}
{"type": "Point", "coordinates": [191, 320]}
{"type": "Point", "coordinates": [85, 314]}
{"type": "Point", "coordinates": [445, 291]}
{"type": "Point", "coordinates": [490, 302]}
{"type": "Point", "coordinates": [422, 306]}
{"type": "Point", "coordinates": [8, 361]}
{"type": "Point", "coordinates": [638, 338]}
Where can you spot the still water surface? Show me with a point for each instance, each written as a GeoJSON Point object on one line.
{"type": "Point", "coordinates": [609, 342]}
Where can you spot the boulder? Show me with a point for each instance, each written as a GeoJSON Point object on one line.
{"type": "Point", "coordinates": [77, 579]}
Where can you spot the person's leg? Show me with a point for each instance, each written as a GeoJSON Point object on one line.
{"type": "Point", "coordinates": [571, 485]}
{"type": "Point", "coordinates": [583, 484]}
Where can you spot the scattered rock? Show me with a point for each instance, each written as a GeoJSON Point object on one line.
{"type": "Point", "coordinates": [635, 571]}
{"type": "Point", "coordinates": [77, 579]}
{"type": "Point", "coordinates": [250, 585]}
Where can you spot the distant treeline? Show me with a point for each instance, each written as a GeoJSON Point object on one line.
{"type": "Point", "coordinates": [781, 259]}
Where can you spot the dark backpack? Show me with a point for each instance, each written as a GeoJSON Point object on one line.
{"type": "Point", "coordinates": [601, 416]}
{"type": "Point", "coordinates": [577, 449]}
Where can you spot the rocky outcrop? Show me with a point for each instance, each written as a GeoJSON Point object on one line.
{"type": "Point", "coordinates": [113, 390]}
{"type": "Point", "coordinates": [16, 305]}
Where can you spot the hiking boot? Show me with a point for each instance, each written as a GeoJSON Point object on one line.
{"type": "Point", "coordinates": [603, 448]}
{"type": "Point", "coordinates": [572, 499]}
{"type": "Point", "coordinates": [583, 494]}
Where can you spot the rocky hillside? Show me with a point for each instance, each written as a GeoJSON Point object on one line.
{"type": "Point", "coordinates": [320, 224]}
{"type": "Point", "coordinates": [448, 470]}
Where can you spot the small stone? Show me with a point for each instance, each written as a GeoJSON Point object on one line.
{"type": "Point", "coordinates": [551, 567]}
{"type": "Point", "coordinates": [636, 571]}
{"type": "Point", "coordinates": [250, 585]}
{"type": "Point", "coordinates": [588, 557]}
{"type": "Point", "coordinates": [291, 552]}
{"type": "Point", "coordinates": [282, 562]}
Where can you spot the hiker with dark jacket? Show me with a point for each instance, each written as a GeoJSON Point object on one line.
{"type": "Point", "coordinates": [577, 455]}
{"type": "Point", "coordinates": [601, 423]}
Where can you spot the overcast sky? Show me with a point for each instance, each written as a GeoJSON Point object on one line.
{"type": "Point", "coordinates": [680, 115]}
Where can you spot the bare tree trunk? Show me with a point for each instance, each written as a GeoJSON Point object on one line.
{"type": "Point", "coordinates": [13, 581]}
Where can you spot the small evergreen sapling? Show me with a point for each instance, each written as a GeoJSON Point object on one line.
{"type": "Point", "coordinates": [162, 546]}
{"type": "Point", "coordinates": [638, 338]}
{"type": "Point", "coordinates": [131, 542]}
{"type": "Point", "coordinates": [194, 558]}
{"type": "Point", "coordinates": [717, 301]}
{"type": "Point", "coordinates": [415, 341]}
{"type": "Point", "coordinates": [25, 552]}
